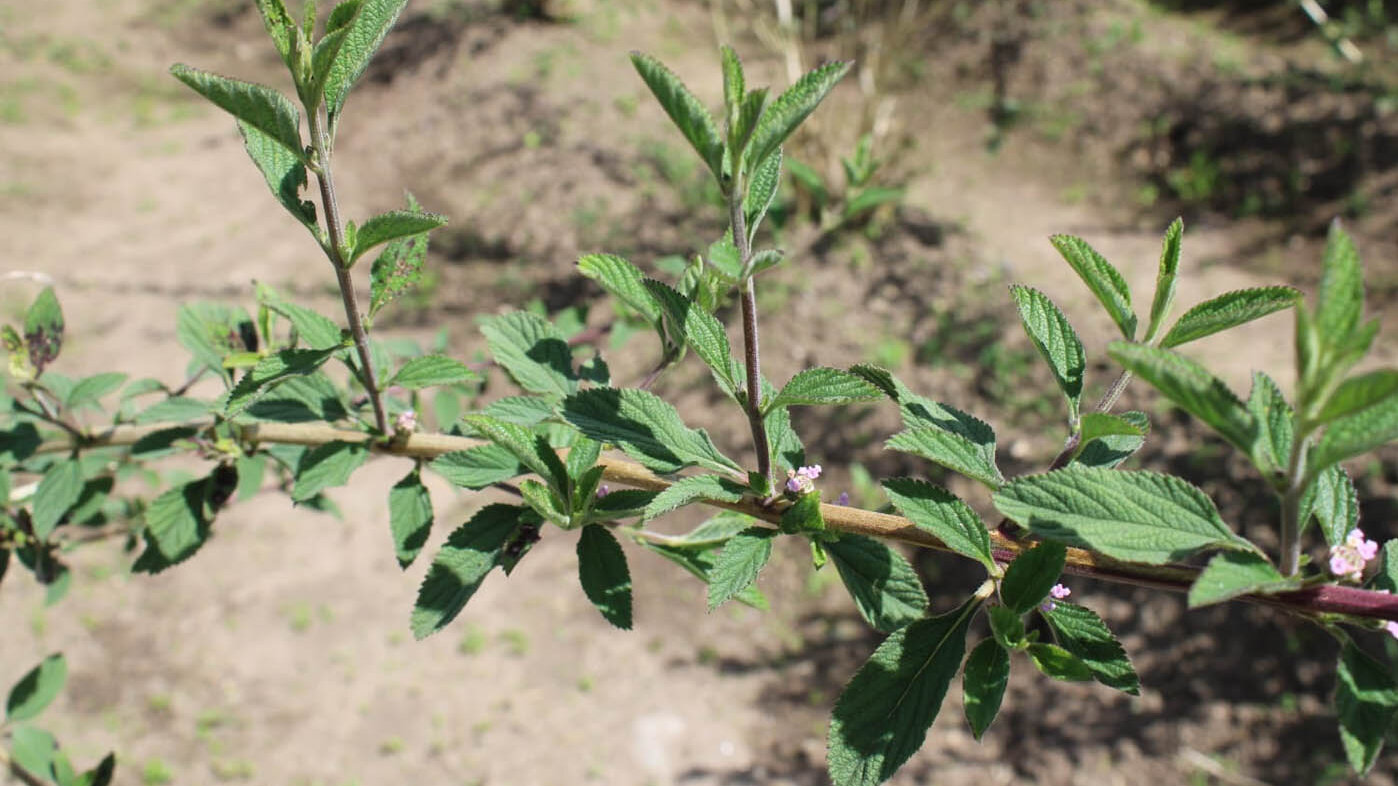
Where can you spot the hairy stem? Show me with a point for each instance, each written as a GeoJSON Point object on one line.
{"type": "Point", "coordinates": [1315, 600]}
{"type": "Point", "coordinates": [1114, 392]}
{"type": "Point", "coordinates": [751, 356]}
{"type": "Point", "coordinates": [335, 250]}
{"type": "Point", "coordinates": [1292, 515]}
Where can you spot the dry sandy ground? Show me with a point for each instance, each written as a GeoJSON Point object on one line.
{"type": "Point", "coordinates": [280, 654]}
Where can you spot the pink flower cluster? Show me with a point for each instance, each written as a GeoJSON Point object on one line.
{"type": "Point", "coordinates": [1059, 592]}
{"type": "Point", "coordinates": [1347, 559]}
{"type": "Point", "coordinates": [802, 480]}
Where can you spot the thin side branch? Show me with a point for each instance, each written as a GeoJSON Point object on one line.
{"type": "Point", "coordinates": [1312, 601]}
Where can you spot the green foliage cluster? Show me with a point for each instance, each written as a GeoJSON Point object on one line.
{"type": "Point", "coordinates": [290, 374]}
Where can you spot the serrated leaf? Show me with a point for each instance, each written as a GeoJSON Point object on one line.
{"type": "Point", "coordinates": [1192, 388]}
{"type": "Point", "coordinates": [1227, 311]}
{"type": "Point", "coordinates": [605, 577]}
{"type": "Point", "coordinates": [301, 400]}
{"type": "Point", "coordinates": [1056, 341]}
{"type": "Point", "coordinates": [58, 491]}
{"type": "Point", "coordinates": [950, 450]}
{"type": "Point", "coordinates": [463, 562]}
{"type": "Point", "coordinates": [393, 225]}
{"type": "Point", "coordinates": [883, 714]}
{"type": "Point", "coordinates": [365, 31]}
{"type": "Point", "coordinates": [1080, 631]}
{"type": "Point", "coordinates": [278, 23]}
{"type": "Point", "coordinates": [688, 114]}
{"type": "Point", "coordinates": [921, 412]}
{"type": "Point", "coordinates": [734, 83]}
{"type": "Point", "coordinates": [787, 451]}
{"type": "Point", "coordinates": [1231, 574]}
{"type": "Point", "coordinates": [90, 390]}
{"type": "Point", "coordinates": [1335, 504]}
{"type": "Point", "coordinates": [1340, 297]}
{"type": "Point", "coordinates": [1386, 578]}
{"type": "Point", "coordinates": [788, 111]}
{"type": "Point", "coordinates": [409, 517]}
{"type": "Point", "coordinates": [1058, 662]}
{"type": "Point", "coordinates": [1096, 425]}
{"type": "Point", "coordinates": [803, 516]}
{"type": "Point", "coordinates": [326, 466]}
{"type": "Point", "coordinates": [1166, 278]}
{"type": "Point", "coordinates": [315, 329]}
{"type": "Point", "coordinates": [520, 410]}
{"type": "Point", "coordinates": [1356, 434]}
{"type": "Point", "coordinates": [1275, 424]}
{"type": "Point", "coordinates": [284, 172]}
{"type": "Point", "coordinates": [1032, 574]}
{"type": "Point", "coordinates": [938, 511]}
{"type": "Point", "coordinates": [762, 189]}
{"type": "Point", "coordinates": [687, 490]}
{"type": "Point", "coordinates": [177, 524]}
{"type": "Point", "coordinates": [885, 587]}
{"type": "Point", "coordinates": [646, 427]}
{"type": "Point", "coordinates": [397, 269]}
{"type": "Point", "coordinates": [623, 280]}
{"type": "Point", "coordinates": [700, 331]}
{"type": "Point", "coordinates": [211, 331]}
{"type": "Point", "coordinates": [36, 689]}
{"type": "Point", "coordinates": [430, 371]}
{"type": "Point", "coordinates": [1007, 626]}
{"type": "Point", "coordinates": [1366, 701]}
{"type": "Point", "coordinates": [258, 106]}
{"type": "Point", "coordinates": [532, 351]}
{"type": "Point", "coordinates": [1359, 393]}
{"type": "Point", "coordinates": [821, 385]}
{"type": "Point", "coordinates": [983, 683]}
{"type": "Point", "coordinates": [271, 370]}
{"type": "Point", "coordinates": [43, 329]}
{"type": "Point", "coordinates": [478, 467]}
{"type": "Point", "coordinates": [1134, 516]}
{"type": "Point", "coordinates": [531, 449]}
{"type": "Point", "coordinates": [1102, 278]}
{"type": "Point", "coordinates": [1108, 451]}
{"type": "Point", "coordinates": [699, 561]}
{"type": "Point", "coordinates": [738, 564]}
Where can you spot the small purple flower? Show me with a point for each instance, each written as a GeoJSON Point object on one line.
{"type": "Point", "coordinates": [406, 422]}
{"type": "Point", "coordinates": [844, 498]}
{"type": "Point", "coordinates": [1392, 628]}
{"type": "Point", "coordinates": [1347, 559]}
{"type": "Point", "coordinates": [802, 479]}
{"type": "Point", "coordinates": [1059, 592]}
{"type": "Point", "coordinates": [603, 491]}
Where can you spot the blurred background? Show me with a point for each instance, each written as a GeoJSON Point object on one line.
{"type": "Point", "coordinates": [967, 133]}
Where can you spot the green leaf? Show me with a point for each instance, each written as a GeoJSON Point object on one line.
{"type": "Point", "coordinates": [787, 451]}
{"type": "Point", "coordinates": [1340, 298]}
{"type": "Point", "coordinates": [37, 689]}
{"type": "Point", "coordinates": [737, 566]}
{"type": "Point", "coordinates": [1102, 278]}
{"type": "Point", "coordinates": [883, 715]}
{"type": "Point", "coordinates": [821, 385]}
{"type": "Point", "coordinates": [463, 562]}
{"type": "Point", "coordinates": [284, 172]}
{"type": "Point", "coordinates": [868, 199]}
{"type": "Point", "coordinates": [787, 112]}
{"type": "Point", "coordinates": [605, 577]}
{"type": "Point", "coordinates": [278, 24]}
{"type": "Point", "coordinates": [1335, 503]}
{"type": "Point", "coordinates": [697, 551]}
{"type": "Point", "coordinates": [1109, 450]}
{"type": "Point", "coordinates": [326, 466]}
{"type": "Point", "coordinates": [315, 329]}
{"type": "Point", "coordinates": [1096, 425]}
{"type": "Point", "coordinates": [1032, 574]}
{"type": "Point", "coordinates": [885, 587]}
{"type": "Point", "coordinates": [688, 114]}
{"type": "Point", "coordinates": [398, 268]}
{"type": "Point", "coordinates": [950, 450]}
{"type": "Point", "coordinates": [1134, 516]}
{"type": "Point", "coordinates": [258, 106]}
{"type": "Point", "coordinates": [478, 467]}
{"type": "Point", "coordinates": [532, 351]}
{"type": "Point", "coordinates": [531, 449]}
{"type": "Point", "coordinates": [409, 517]}
{"type": "Point", "coordinates": [1080, 631]}
{"type": "Point", "coordinates": [701, 331]}
{"type": "Point", "coordinates": [1366, 701]}
{"type": "Point", "coordinates": [1387, 576]}
{"type": "Point", "coordinates": [90, 390]}
{"type": "Point", "coordinates": [393, 225]}
{"type": "Point", "coordinates": [1192, 388]}
{"type": "Point", "coordinates": [177, 524]}
{"type": "Point", "coordinates": [983, 683]}
{"type": "Point", "coordinates": [1275, 424]}
{"type": "Point", "coordinates": [1356, 434]}
{"type": "Point", "coordinates": [1056, 341]}
{"type": "Point", "coordinates": [1058, 662]}
{"type": "Point", "coordinates": [1165, 280]}
{"type": "Point", "coordinates": [33, 750]}
{"type": "Point", "coordinates": [1007, 627]}
{"type": "Point", "coordinates": [623, 280]}
{"type": "Point", "coordinates": [58, 491]}
{"type": "Point", "coordinates": [430, 371]}
{"type": "Point", "coordinates": [364, 32]}
{"type": "Point", "coordinates": [101, 775]}
{"type": "Point", "coordinates": [687, 490]}
{"type": "Point", "coordinates": [734, 85]}
{"type": "Point", "coordinates": [1227, 311]}
{"type": "Point", "coordinates": [646, 427]}
{"type": "Point", "coordinates": [1231, 574]}
{"type": "Point", "coordinates": [803, 516]}
{"type": "Point", "coordinates": [581, 458]}
{"type": "Point", "coordinates": [938, 511]}
{"type": "Point", "coordinates": [762, 189]}
{"type": "Point", "coordinates": [920, 412]}
{"type": "Point", "coordinates": [1359, 393]}
{"type": "Point", "coordinates": [270, 371]}
{"type": "Point", "coordinates": [43, 329]}
{"type": "Point", "coordinates": [211, 331]}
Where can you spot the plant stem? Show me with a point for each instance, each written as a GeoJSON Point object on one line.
{"type": "Point", "coordinates": [751, 356]}
{"type": "Point", "coordinates": [1292, 515]}
{"type": "Point", "coordinates": [1114, 392]}
{"type": "Point", "coordinates": [335, 250]}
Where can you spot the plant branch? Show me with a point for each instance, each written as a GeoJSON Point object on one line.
{"type": "Point", "coordinates": [335, 250]}
{"type": "Point", "coordinates": [1114, 392]}
{"type": "Point", "coordinates": [752, 358]}
{"type": "Point", "coordinates": [1292, 515]}
{"type": "Point", "coordinates": [1312, 601]}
